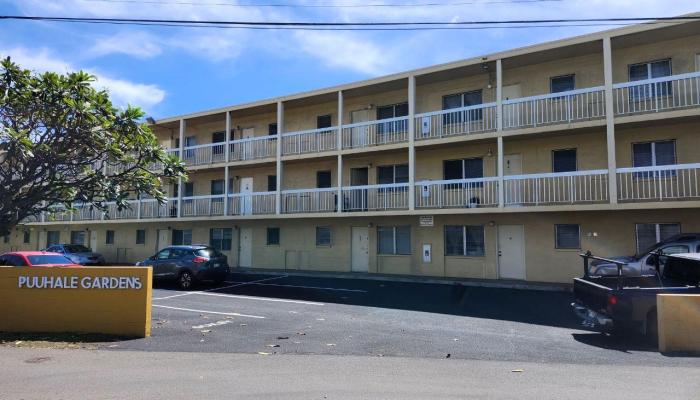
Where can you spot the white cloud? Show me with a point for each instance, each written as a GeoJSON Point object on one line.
{"type": "Point", "coordinates": [133, 43]}
{"type": "Point", "coordinates": [344, 50]}
{"type": "Point", "coordinates": [122, 92]}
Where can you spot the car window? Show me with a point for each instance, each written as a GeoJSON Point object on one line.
{"type": "Point", "coordinates": [206, 252]}
{"type": "Point", "coordinates": [76, 248]}
{"type": "Point", "coordinates": [16, 261]}
{"type": "Point", "coordinates": [3, 261]}
{"type": "Point", "coordinates": [179, 253]}
{"type": "Point", "coordinates": [54, 249]}
{"type": "Point", "coordinates": [675, 249]}
{"type": "Point", "coordinates": [48, 259]}
{"type": "Point", "coordinates": [163, 254]}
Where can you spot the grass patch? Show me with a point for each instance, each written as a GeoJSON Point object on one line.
{"type": "Point", "coordinates": [59, 340]}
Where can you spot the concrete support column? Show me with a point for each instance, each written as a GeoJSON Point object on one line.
{"type": "Point", "coordinates": [179, 180]}
{"type": "Point", "coordinates": [339, 139]}
{"type": "Point", "coordinates": [280, 128]}
{"type": "Point", "coordinates": [501, 169]}
{"type": "Point", "coordinates": [499, 95]}
{"type": "Point", "coordinates": [227, 149]}
{"type": "Point", "coordinates": [610, 119]}
{"type": "Point", "coordinates": [339, 202]}
{"type": "Point", "coordinates": [339, 195]}
{"type": "Point", "coordinates": [411, 142]}
{"type": "Point", "coordinates": [227, 189]}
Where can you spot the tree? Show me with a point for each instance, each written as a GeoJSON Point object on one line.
{"type": "Point", "coordinates": [58, 138]}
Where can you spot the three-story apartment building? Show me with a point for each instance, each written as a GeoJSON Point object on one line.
{"type": "Point", "coordinates": [504, 166]}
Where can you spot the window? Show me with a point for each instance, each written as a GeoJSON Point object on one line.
{"type": "Point", "coordinates": [109, 237]}
{"type": "Point", "coordinates": [272, 128]}
{"type": "Point", "coordinates": [468, 168]}
{"type": "Point", "coordinates": [675, 249]}
{"type": "Point", "coordinates": [323, 236]}
{"type": "Point", "coordinates": [220, 238]}
{"type": "Point", "coordinates": [392, 174]}
{"type": "Point", "coordinates": [52, 238]}
{"type": "Point", "coordinates": [394, 240]}
{"type": "Point", "coordinates": [189, 142]}
{"type": "Point", "coordinates": [652, 154]}
{"type": "Point", "coordinates": [273, 236]}
{"type": "Point", "coordinates": [218, 137]}
{"type": "Point", "coordinates": [27, 237]}
{"type": "Point", "coordinates": [182, 237]}
{"type": "Point", "coordinates": [188, 190]}
{"type": "Point", "coordinates": [649, 235]}
{"type": "Point", "coordinates": [392, 111]}
{"type": "Point", "coordinates": [459, 100]}
{"type": "Point", "coordinates": [271, 183]}
{"type": "Point", "coordinates": [77, 237]}
{"type": "Point", "coordinates": [464, 240]}
{"type": "Point", "coordinates": [140, 236]}
{"type": "Point", "coordinates": [218, 187]}
{"type": "Point", "coordinates": [650, 70]}
{"type": "Point", "coordinates": [163, 254]}
{"type": "Point", "coordinates": [323, 121]}
{"type": "Point", "coordinates": [562, 83]}
{"type": "Point", "coordinates": [323, 179]}
{"type": "Point", "coordinates": [564, 160]}
{"type": "Point", "coordinates": [568, 236]}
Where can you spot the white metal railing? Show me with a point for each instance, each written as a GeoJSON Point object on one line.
{"type": "Point", "coordinates": [85, 212]}
{"type": "Point", "coordinates": [310, 141]}
{"type": "Point", "coordinates": [554, 108]}
{"type": "Point", "coordinates": [456, 121]}
{"type": "Point", "coordinates": [204, 154]}
{"type": "Point", "coordinates": [374, 133]}
{"type": "Point", "coordinates": [131, 210]}
{"type": "Point", "coordinates": [253, 148]}
{"type": "Point", "coordinates": [556, 188]}
{"type": "Point", "coordinates": [658, 94]}
{"type": "Point", "coordinates": [254, 203]}
{"type": "Point", "coordinates": [375, 197]}
{"type": "Point", "coordinates": [150, 208]}
{"type": "Point", "coordinates": [660, 183]}
{"type": "Point", "coordinates": [197, 206]}
{"type": "Point", "coordinates": [457, 193]}
{"type": "Point", "coordinates": [309, 200]}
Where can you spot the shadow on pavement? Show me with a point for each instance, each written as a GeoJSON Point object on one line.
{"type": "Point", "coordinates": [622, 343]}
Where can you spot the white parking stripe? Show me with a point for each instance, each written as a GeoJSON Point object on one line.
{"type": "Point", "coordinates": [305, 287]}
{"type": "Point", "coordinates": [235, 296]}
{"type": "Point", "coordinates": [209, 312]}
{"type": "Point", "coordinates": [219, 288]}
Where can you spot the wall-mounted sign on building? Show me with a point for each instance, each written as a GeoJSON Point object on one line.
{"type": "Point", "coordinates": [426, 220]}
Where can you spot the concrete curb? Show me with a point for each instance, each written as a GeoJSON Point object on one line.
{"type": "Point", "coordinates": [499, 284]}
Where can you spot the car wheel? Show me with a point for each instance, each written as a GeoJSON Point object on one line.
{"type": "Point", "coordinates": [185, 280]}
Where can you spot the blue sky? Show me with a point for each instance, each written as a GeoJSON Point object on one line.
{"type": "Point", "coordinates": [171, 71]}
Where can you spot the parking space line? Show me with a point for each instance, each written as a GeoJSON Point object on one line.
{"type": "Point", "coordinates": [305, 287]}
{"type": "Point", "coordinates": [209, 312]}
{"type": "Point", "coordinates": [236, 296]}
{"type": "Point", "coordinates": [219, 288]}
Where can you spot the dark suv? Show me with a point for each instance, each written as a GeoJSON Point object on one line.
{"type": "Point", "coordinates": [188, 264]}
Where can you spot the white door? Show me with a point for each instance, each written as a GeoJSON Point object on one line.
{"type": "Point", "coordinates": [511, 251]}
{"type": "Point", "coordinates": [246, 191]}
{"type": "Point", "coordinates": [360, 249]}
{"type": "Point", "coordinates": [512, 113]}
{"type": "Point", "coordinates": [245, 249]}
{"type": "Point", "coordinates": [93, 241]}
{"type": "Point", "coordinates": [247, 150]}
{"type": "Point", "coordinates": [512, 164]}
{"type": "Point", "coordinates": [162, 239]}
{"type": "Point", "coordinates": [359, 135]}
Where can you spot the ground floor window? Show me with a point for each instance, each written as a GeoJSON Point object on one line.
{"type": "Point", "coordinates": [109, 237]}
{"type": "Point", "coordinates": [323, 236]}
{"type": "Point", "coordinates": [567, 236]}
{"type": "Point", "coordinates": [394, 240]}
{"type": "Point", "coordinates": [647, 235]}
{"type": "Point", "coordinates": [77, 237]}
{"type": "Point", "coordinates": [140, 236]}
{"type": "Point", "coordinates": [6, 239]}
{"type": "Point", "coordinates": [52, 238]}
{"type": "Point", "coordinates": [182, 237]}
{"type": "Point", "coordinates": [27, 237]}
{"type": "Point", "coordinates": [273, 236]}
{"type": "Point", "coordinates": [464, 240]}
{"type": "Point", "coordinates": [220, 238]}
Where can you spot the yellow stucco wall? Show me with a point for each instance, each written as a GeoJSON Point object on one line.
{"type": "Point", "coordinates": [679, 322]}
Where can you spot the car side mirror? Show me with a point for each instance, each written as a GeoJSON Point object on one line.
{"type": "Point", "coordinates": [152, 258]}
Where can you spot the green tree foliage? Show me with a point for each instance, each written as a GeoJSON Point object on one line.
{"type": "Point", "coordinates": [62, 142]}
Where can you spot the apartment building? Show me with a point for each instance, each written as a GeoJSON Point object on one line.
{"type": "Point", "coordinates": [504, 166]}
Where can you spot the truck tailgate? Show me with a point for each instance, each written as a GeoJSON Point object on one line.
{"type": "Point", "coordinates": [591, 295]}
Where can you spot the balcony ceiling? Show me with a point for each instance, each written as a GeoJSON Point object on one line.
{"type": "Point", "coordinates": [657, 35]}
{"type": "Point", "coordinates": [554, 54]}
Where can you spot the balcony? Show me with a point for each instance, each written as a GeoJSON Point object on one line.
{"type": "Point", "coordinates": [660, 94]}
{"type": "Point", "coordinates": [375, 133]}
{"type": "Point", "coordinates": [253, 148]}
{"type": "Point", "coordinates": [310, 141]}
{"type": "Point", "coordinates": [579, 187]}
{"type": "Point", "coordinates": [680, 182]}
{"type": "Point", "coordinates": [556, 108]}
{"type": "Point", "coordinates": [375, 197]}
{"type": "Point", "coordinates": [456, 121]}
{"type": "Point", "coordinates": [255, 203]}
{"type": "Point", "coordinates": [457, 193]}
{"type": "Point", "coordinates": [309, 200]}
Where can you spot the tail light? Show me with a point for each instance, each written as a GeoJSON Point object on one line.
{"type": "Point", "coordinates": [200, 259]}
{"type": "Point", "coordinates": [612, 300]}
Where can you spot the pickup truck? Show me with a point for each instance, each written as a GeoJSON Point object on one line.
{"type": "Point", "coordinates": [623, 303]}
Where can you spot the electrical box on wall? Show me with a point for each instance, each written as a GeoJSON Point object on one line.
{"type": "Point", "coordinates": [427, 253]}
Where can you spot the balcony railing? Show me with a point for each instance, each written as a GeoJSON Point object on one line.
{"type": "Point", "coordinates": [253, 148]}
{"type": "Point", "coordinates": [555, 108]}
{"type": "Point", "coordinates": [579, 187]}
{"type": "Point", "coordinates": [310, 141]}
{"type": "Point", "coordinates": [658, 94]}
{"type": "Point", "coordinates": [456, 121]}
{"type": "Point", "coordinates": [375, 133]}
{"type": "Point", "coordinates": [660, 183]}
{"type": "Point", "coordinates": [375, 197]}
{"type": "Point", "coordinates": [200, 206]}
{"type": "Point", "coordinates": [204, 154]}
{"type": "Point", "coordinates": [457, 193]}
{"type": "Point", "coordinates": [255, 203]}
{"type": "Point", "coordinates": [309, 200]}
{"type": "Point", "coordinates": [150, 208]}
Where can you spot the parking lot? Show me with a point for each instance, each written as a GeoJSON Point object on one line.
{"type": "Point", "coordinates": [280, 314]}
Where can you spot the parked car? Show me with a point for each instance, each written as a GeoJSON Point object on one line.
{"type": "Point", "coordinates": [188, 264]}
{"type": "Point", "coordinates": [628, 303]}
{"type": "Point", "coordinates": [78, 253]}
{"type": "Point", "coordinates": [643, 263]}
{"type": "Point", "coordinates": [35, 259]}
